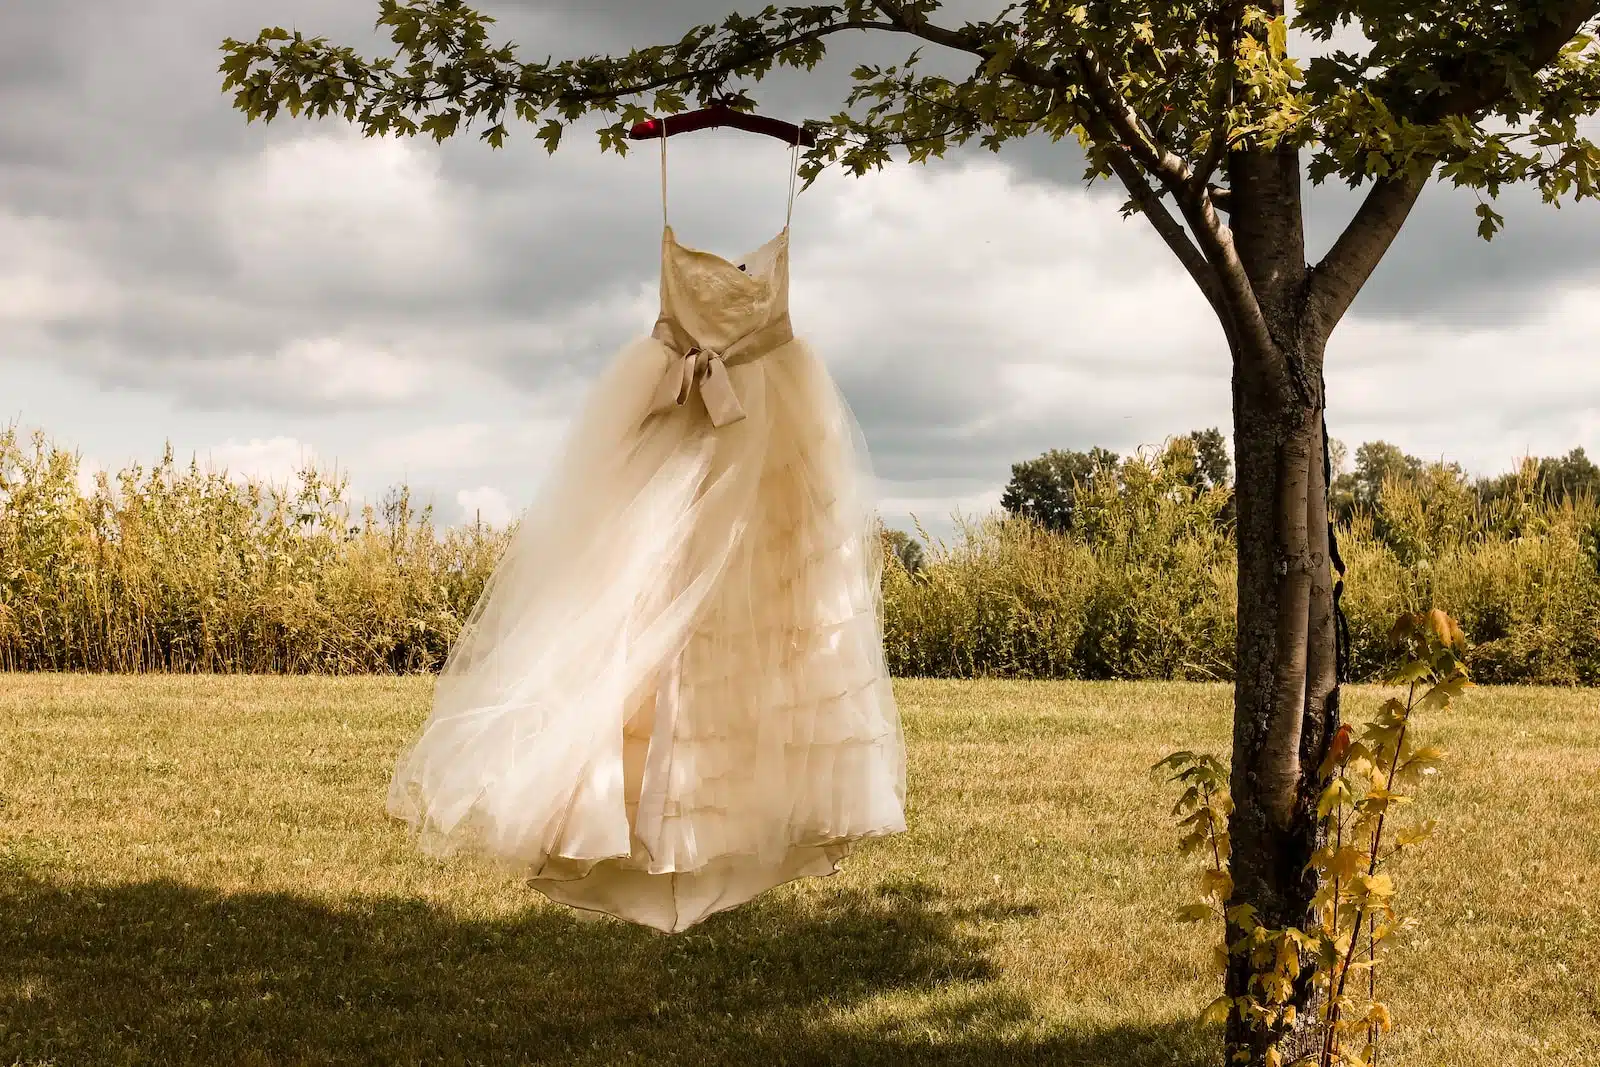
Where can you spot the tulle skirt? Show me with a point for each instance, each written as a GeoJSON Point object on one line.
{"type": "Point", "coordinates": [672, 694]}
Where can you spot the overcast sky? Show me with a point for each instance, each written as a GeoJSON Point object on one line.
{"type": "Point", "coordinates": [408, 311]}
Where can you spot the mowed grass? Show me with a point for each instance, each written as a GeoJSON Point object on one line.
{"type": "Point", "coordinates": [199, 870]}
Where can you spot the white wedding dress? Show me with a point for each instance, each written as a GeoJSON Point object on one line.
{"type": "Point", "coordinates": [672, 694]}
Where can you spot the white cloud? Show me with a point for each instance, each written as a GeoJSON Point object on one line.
{"type": "Point", "coordinates": [277, 278]}
{"type": "Point", "coordinates": [343, 211]}
{"type": "Point", "coordinates": [1478, 393]}
{"type": "Point", "coordinates": [276, 460]}
{"type": "Point", "coordinates": [935, 512]}
{"type": "Point", "coordinates": [44, 278]}
{"type": "Point", "coordinates": [435, 448]}
{"type": "Point", "coordinates": [463, 446]}
{"type": "Point", "coordinates": [337, 369]}
{"type": "Point", "coordinates": [486, 503]}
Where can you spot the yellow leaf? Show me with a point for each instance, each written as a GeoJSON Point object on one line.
{"type": "Point", "coordinates": [1216, 1011]}
{"type": "Point", "coordinates": [1441, 625]}
{"type": "Point", "coordinates": [1380, 886]}
{"type": "Point", "coordinates": [1440, 695]}
{"type": "Point", "coordinates": [1346, 862]}
{"type": "Point", "coordinates": [1337, 794]}
{"type": "Point", "coordinates": [1218, 884]}
{"type": "Point", "coordinates": [1278, 37]}
{"type": "Point", "coordinates": [1193, 913]}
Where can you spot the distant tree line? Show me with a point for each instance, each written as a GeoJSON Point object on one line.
{"type": "Point", "coordinates": [1554, 478]}
{"type": "Point", "coordinates": [1122, 566]}
{"type": "Point", "coordinates": [1047, 488]}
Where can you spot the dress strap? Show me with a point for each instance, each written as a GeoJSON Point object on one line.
{"type": "Point", "coordinates": [794, 170]}
{"type": "Point", "coordinates": [663, 174]}
{"type": "Point", "coordinates": [794, 173]}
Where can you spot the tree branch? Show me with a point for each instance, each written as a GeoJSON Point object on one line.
{"type": "Point", "coordinates": [1477, 91]}
{"type": "Point", "coordinates": [1176, 237]}
{"type": "Point", "coordinates": [1333, 283]}
{"type": "Point", "coordinates": [1222, 101]}
{"type": "Point", "coordinates": [918, 24]}
{"type": "Point", "coordinates": [510, 84]}
{"type": "Point", "coordinates": [1172, 172]}
{"type": "Point", "coordinates": [1122, 162]}
{"type": "Point", "coordinates": [1237, 295]}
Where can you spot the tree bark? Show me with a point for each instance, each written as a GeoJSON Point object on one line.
{"type": "Point", "coordinates": [1286, 697]}
{"type": "Point", "coordinates": [1286, 702]}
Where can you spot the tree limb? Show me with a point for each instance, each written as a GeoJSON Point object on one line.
{"type": "Point", "coordinates": [1019, 68]}
{"type": "Point", "coordinates": [1168, 167]}
{"type": "Point", "coordinates": [1237, 295]}
{"type": "Point", "coordinates": [1227, 44]}
{"type": "Point", "coordinates": [1176, 237]}
{"type": "Point", "coordinates": [1333, 283]}
{"type": "Point", "coordinates": [1121, 158]}
{"type": "Point", "coordinates": [1478, 90]}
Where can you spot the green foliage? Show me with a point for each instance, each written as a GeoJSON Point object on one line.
{"type": "Point", "coordinates": [1484, 94]}
{"type": "Point", "coordinates": [1573, 476]}
{"type": "Point", "coordinates": [1141, 586]}
{"type": "Point", "coordinates": [172, 569]}
{"type": "Point", "coordinates": [1515, 558]}
{"type": "Point", "coordinates": [1354, 917]}
{"type": "Point", "coordinates": [1376, 463]}
{"type": "Point", "coordinates": [1497, 500]}
{"type": "Point", "coordinates": [176, 569]}
{"type": "Point", "coordinates": [1046, 489]}
{"type": "Point", "coordinates": [905, 549]}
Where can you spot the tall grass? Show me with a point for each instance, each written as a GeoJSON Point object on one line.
{"type": "Point", "coordinates": [179, 569]}
{"type": "Point", "coordinates": [1143, 585]}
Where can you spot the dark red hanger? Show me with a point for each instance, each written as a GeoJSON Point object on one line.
{"type": "Point", "coordinates": [720, 114]}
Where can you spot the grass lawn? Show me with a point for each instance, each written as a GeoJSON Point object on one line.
{"type": "Point", "coordinates": [199, 870]}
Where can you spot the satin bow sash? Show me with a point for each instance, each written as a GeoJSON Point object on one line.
{"type": "Point", "coordinates": [694, 366]}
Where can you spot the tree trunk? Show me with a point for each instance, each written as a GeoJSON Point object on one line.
{"type": "Point", "coordinates": [1286, 699]}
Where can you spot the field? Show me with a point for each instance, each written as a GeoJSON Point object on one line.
{"type": "Point", "coordinates": [199, 870]}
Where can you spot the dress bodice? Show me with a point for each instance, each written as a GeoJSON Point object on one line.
{"type": "Point", "coordinates": [715, 302]}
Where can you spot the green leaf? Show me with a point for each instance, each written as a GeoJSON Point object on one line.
{"type": "Point", "coordinates": [1415, 671]}
{"type": "Point", "coordinates": [1489, 222]}
{"type": "Point", "coordinates": [550, 134]}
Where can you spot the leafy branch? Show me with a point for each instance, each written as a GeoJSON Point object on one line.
{"type": "Point", "coordinates": [1353, 916]}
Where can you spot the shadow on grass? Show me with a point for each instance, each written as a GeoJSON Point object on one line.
{"type": "Point", "coordinates": [162, 972]}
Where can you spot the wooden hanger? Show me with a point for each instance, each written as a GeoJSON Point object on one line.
{"type": "Point", "coordinates": [720, 114]}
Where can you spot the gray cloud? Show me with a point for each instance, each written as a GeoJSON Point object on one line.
{"type": "Point", "coordinates": [294, 279]}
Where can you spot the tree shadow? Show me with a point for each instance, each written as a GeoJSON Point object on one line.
{"type": "Point", "coordinates": [164, 972]}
